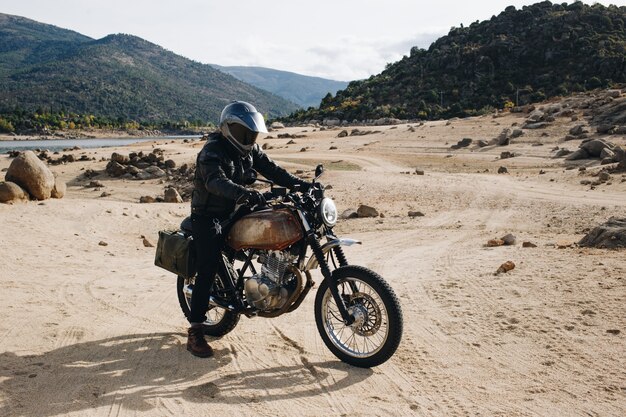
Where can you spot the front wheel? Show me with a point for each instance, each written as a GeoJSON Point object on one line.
{"type": "Point", "coordinates": [376, 332]}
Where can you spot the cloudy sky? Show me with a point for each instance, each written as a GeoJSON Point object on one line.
{"type": "Point", "coordinates": [336, 39]}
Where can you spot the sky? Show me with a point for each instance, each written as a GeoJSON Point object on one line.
{"type": "Point", "coordinates": [336, 39]}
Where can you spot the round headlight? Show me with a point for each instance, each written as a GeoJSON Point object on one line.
{"type": "Point", "coordinates": [328, 211]}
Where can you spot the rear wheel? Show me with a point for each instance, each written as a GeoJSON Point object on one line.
{"type": "Point", "coordinates": [219, 320]}
{"type": "Point", "coordinates": [376, 333]}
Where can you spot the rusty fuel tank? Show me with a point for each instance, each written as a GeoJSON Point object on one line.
{"type": "Point", "coordinates": [266, 229]}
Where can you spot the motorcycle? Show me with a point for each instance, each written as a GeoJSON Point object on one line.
{"type": "Point", "coordinates": [357, 313]}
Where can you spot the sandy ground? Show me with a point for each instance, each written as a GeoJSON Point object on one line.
{"type": "Point", "coordinates": [90, 330]}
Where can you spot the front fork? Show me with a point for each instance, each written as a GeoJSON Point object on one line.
{"type": "Point", "coordinates": [348, 318]}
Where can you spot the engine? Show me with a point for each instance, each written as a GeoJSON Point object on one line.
{"type": "Point", "coordinates": [271, 289]}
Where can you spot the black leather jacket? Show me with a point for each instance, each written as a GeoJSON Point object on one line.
{"type": "Point", "coordinates": [219, 176]}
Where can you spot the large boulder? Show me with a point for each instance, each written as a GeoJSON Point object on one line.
{"type": "Point", "coordinates": [30, 173]}
{"type": "Point", "coordinates": [610, 235]}
{"type": "Point", "coordinates": [10, 192]}
{"type": "Point", "coordinates": [594, 147]}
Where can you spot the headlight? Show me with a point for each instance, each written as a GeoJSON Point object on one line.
{"type": "Point", "coordinates": [328, 211]}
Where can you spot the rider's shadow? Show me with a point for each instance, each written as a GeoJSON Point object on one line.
{"type": "Point", "coordinates": [134, 372]}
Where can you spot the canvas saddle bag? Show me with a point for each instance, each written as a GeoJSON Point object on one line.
{"type": "Point", "coordinates": [175, 253]}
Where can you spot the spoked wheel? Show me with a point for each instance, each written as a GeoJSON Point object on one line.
{"type": "Point", "coordinates": [219, 320]}
{"type": "Point", "coordinates": [376, 332]}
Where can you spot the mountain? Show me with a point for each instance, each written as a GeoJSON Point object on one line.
{"type": "Point", "coordinates": [517, 57]}
{"type": "Point", "coordinates": [119, 76]}
{"type": "Point", "coordinates": [303, 90]}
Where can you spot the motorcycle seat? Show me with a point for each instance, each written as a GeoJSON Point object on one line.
{"type": "Point", "coordinates": [185, 225]}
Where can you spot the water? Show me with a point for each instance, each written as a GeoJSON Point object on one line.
{"type": "Point", "coordinates": [60, 144]}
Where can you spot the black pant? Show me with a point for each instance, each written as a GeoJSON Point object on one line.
{"type": "Point", "coordinates": [208, 246]}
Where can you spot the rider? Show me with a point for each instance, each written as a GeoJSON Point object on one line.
{"type": "Point", "coordinates": [218, 185]}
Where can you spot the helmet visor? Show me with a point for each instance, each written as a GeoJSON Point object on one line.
{"type": "Point", "coordinates": [242, 134]}
{"type": "Point", "coordinates": [254, 121]}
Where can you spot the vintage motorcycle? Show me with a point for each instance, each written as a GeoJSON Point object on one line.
{"type": "Point", "coordinates": [357, 313]}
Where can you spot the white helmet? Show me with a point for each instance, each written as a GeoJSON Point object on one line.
{"type": "Point", "coordinates": [241, 123]}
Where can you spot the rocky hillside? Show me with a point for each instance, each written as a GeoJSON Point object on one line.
{"type": "Point", "coordinates": [303, 90]}
{"type": "Point", "coordinates": [118, 76]}
{"type": "Point", "coordinates": [517, 57]}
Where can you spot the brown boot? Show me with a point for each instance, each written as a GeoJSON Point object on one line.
{"type": "Point", "coordinates": [196, 343]}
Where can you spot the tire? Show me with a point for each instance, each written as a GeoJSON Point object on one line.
{"type": "Point", "coordinates": [219, 321]}
{"type": "Point", "coordinates": [379, 317]}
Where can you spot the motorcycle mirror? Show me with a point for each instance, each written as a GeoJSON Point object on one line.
{"type": "Point", "coordinates": [319, 170]}
{"type": "Point", "coordinates": [249, 177]}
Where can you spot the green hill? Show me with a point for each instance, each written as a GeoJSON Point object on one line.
{"type": "Point", "coordinates": [120, 77]}
{"type": "Point", "coordinates": [303, 90]}
{"type": "Point", "coordinates": [517, 57]}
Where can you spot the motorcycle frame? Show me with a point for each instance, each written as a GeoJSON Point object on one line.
{"type": "Point", "coordinates": [235, 284]}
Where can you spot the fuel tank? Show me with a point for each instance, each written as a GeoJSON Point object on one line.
{"type": "Point", "coordinates": [266, 229]}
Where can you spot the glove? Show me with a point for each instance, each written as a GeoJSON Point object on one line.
{"type": "Point", "coordinates": [304, 186]}
{"type": "Point", "coordinates": [251, 198]}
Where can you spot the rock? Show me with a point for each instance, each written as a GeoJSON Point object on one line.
{"type": "Point", "coordinates": [416, 214]}
{"type": "Point", "coordinates": [577, 130]}
{"type": "Point", "coordinates": [59, 190]}
{"type": "Point", "coordinates": [482, 143]}
{"type": "Point", "coordinates": [142, 175]}
{"type": "Point", "coordinates": [419, 171]}
{"type": "Point", "coordinates": [303, 150]}
{"type": "Point", "coordinates": [103, 243]}
{"type": "Point", "coordinates": [367, 211]}
{"type": "Point", "coordinates": [509, 239]}
{"type": "Point", "coordinates": [536, 116]}
{"type": "Point", "coordinates": [594, 147]}
{"type": "Point", "coordinates": [463, 143]}
{"type": "Point", "coordinates": [605, 128]}
{"type": "Point", "coordinates": [619, 154]}
{"type": "Point", "coordinates": [516, 133]}
{"type": "Point", "coordinates": [562, 152]}
{"type": "Point", "coordinates": [147, 243]}
{"type": "Point", "coordinates": [115, 169]}
{"type": "Point", "coordinates": [495, 242]}
{"type": "Point", "coordinates": [540, 125]}
{"type": "Point", "coordinates": [10, 193]}
{"type": "Point", "coordinates": [506, 155]}
{"type": "Point", "coordinates": [30, 173]}
{"type": "Point", "coordinates": [155, 171]}
{"type": "Point", "coordinates": [613, 93]}
{"type": "Point", "coordinates": [95, 184]}
{"type": "Point", "coordinates": [342, 134]}
{"type": "Point", "coordinates": [277, 125]}
{"type": "Point", "coordinates": [119, 158]}
{"type": "Point", "coordinates": [170, 164]}
{"type": "Point", "coordinates": [610, 235]}
{"type": "Point", "coordinates": [604, 176]}
{"type": "Point", "coordinates": [147, 199]}
{"type": "Point", "coordinates": [607, 153]}
{"type": "Point", "coordinates": [528, 245]}
{"type": "Point", "coordinates": [578, 154]}
{"type": "Point", "coordinates": [503, 170]}
{"type": "Point", "coordinates": [506, 267]}
{"type": "Point", "coordinates": [504, 137]}
{"type": "Point", "coordinates": [349, 214]}
{"type": "Point", "coordinates": [172, 196]}
{"type": "Point", "coordinates": [332, 148]}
